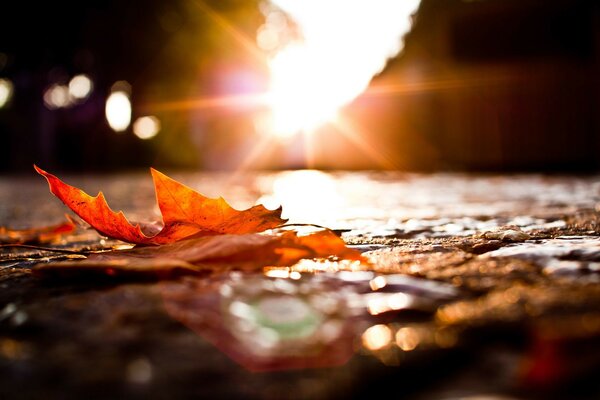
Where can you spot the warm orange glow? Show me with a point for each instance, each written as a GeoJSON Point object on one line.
{"type": "Point", "coordinates": [340, 46]}
{"type": "Point", "coordinates": [230, 30]}
{"type": "Point", "coordinates": [407, 338]}
{"type": "Point", "coordinates": [377, 337]}
{"type": "Point", "coordinates": [210, 102]}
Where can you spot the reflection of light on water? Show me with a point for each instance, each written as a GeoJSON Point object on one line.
{"type": "Point", "coordinates": [118, 107]}
{"type": "Point", "coordinates": [386, 341]}
{"type": "Point", "coordinates": [306, 196]}
{"type": "Point", "coordinates": [146, 127]}
{"type": "Point", "coordinates": [6, 91]}
{"type": "Point", "coordinates": [378, 282]}
{"type": "Point", "coordinates": [377, 337]}
{"type": "Point", "coordinates": [407, 338]}
{"type": "Point", "coordinates": [328, 56]}
{"type": "Point", "coordinates": [380, 303]}
{"type": "Point", "coordinates": [312, 266]}
{"type": "Point", "coordinates": [272, 321]}
{"type": "Point", "coordinates": [282, 272]}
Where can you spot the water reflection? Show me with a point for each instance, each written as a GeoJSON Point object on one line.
{"type": "Point", "coordinates": [377, 337]}
{"type": "Point", "coordinates": [267, 323]}
{"type": "Point", "coordinates": [286, 319]}
{"type": "Point", "coordinates": [379, 304]}
{"type": "Point", "coordinates": [377, 205]}
{"type": "Point", "coordinates": [407, 338]}
{"type": "Point", "coordinates": [306, 196]}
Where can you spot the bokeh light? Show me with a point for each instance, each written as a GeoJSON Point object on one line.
{"type": "Point", "coordinates": [118, 109]}
{"type": "Point", "coordinates": [377, 337]}
{"type": "Point", "coordinates": [6, 91]}
{"type": "Point", "coordinates": [80, 86]}
{"type": "Point", "coordinates": [57, 96]}
{"type": "Point", "coordinates": [146, 127]}
{"type": "Point", "coordinates": [407, 338]}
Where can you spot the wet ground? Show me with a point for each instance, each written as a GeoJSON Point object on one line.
{"type": "Point", "coordinates": [480, 286]}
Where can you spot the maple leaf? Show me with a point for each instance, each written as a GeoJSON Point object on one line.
{"type": "Point", "coordinates": [185, 213]}
{"type": "Point", "coordinates": [190, 256]}
{"type": "Point", "coordinates": [44, 234]}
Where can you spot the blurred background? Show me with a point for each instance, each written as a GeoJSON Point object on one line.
{"type": "Point", "coordinates": [430, 85]}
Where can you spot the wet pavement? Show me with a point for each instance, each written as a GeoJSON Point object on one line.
{"type": "Point", "coordinates": [479, 286]}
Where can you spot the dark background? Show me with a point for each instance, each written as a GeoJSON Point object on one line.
{"type": "Point", "coordinates": [490, 85]}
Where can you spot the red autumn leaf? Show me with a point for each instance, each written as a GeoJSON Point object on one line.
{"type": "Point", "coordinates": [45, 234]}
{"type": "Point", "coordinates": [248, 251]}
{"type": "Point", "coordinates": [185, 212]}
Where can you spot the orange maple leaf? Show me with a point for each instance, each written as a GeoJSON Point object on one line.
{"type": "Point", "coordinates": [185, 213]}
{"type": "Point", "coordinates": [248, 251]}
{"type": "Point", "coordinates": [44, 234]}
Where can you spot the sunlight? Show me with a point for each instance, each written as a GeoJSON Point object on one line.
{"type": "Point", "coordinates": [307, 196]}
{"type": "Point", "coordinates": [326, 55]}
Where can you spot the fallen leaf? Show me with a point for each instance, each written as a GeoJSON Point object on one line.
{"type": "Point", "coordinates": [185, 213]}
{"type": "Point", "coordinates": [45, 234]}
{"type": "Point", "coordinates": [245, 251]}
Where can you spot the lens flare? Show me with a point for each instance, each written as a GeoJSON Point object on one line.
{"type": "Point", "coordinates": [326, 54]}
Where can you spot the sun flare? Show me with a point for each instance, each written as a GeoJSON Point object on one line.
{"type": "Point", "coordinates": [323, 54]}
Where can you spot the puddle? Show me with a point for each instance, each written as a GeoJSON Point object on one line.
{"type": "Point", "coordinates": [306, 320]}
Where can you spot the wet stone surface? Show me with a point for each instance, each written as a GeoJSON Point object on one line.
{"type": "Point", "coordinates": [478, 287]}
